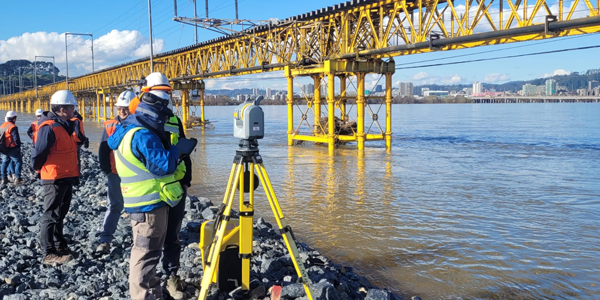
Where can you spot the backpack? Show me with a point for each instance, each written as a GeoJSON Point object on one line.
{"type": "Point", "coordinates": [3, 149]}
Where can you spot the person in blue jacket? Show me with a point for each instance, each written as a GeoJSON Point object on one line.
{"type": "Point", "coordinates": [149, 169]}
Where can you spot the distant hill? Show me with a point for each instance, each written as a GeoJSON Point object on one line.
{"type": "Point", "coordinates": [572, 81]}
{"type": "Point", "coordinates": [9, 73]}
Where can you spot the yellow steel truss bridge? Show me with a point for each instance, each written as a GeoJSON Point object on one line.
{"type": "Point", "coordinates": [336, 45]}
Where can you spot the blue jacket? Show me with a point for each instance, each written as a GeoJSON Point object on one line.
{"type": "Point", "coordinates": [148, 148]}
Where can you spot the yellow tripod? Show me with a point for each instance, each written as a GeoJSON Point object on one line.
{"type": "Point", "coordinates": [248, 159]}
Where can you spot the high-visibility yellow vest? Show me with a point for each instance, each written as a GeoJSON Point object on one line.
{"type": "Point", "coordinates": [172, 126]}
{"type": "Point", "coordinates": [139, 186]}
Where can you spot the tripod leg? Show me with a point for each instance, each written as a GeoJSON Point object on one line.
{"type": "Point", "coordinates": [215, 248]}
{"type": "Point", "coordinates": [246, 227]}
{"type": "Point", "coordinates": [285, 229]}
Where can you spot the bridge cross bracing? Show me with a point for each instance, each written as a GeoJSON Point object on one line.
{"type": "Point", "coordinates": [353, 31]}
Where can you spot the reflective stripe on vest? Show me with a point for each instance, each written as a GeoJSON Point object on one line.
{"type": "Point", "coordinates": [76, 120]}
{"type": "Point", "coordinates": [172, 126]}
{"type": "Point", "coordinates": [138, 185]}
{"type": "Point", "coordinates": [62, 157]}
{"type": "Point", "coordinates": [9, 140]}
{"type": "Point", "coordinates": [34, 127]}
{"type": "Point", "coordinates": [111, 126]}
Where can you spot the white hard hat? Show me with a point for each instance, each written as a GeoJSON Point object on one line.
{"type": "Point", "coordinates": [157, 81]}
{"type": "Point", "coordinates": [125, 98]}
{"type": "Point", "coordinates": [39, 112]}
{"type": "Point", "coordinates": [10, 114]}
{"type": "Point", "coordinates": [63, 97]}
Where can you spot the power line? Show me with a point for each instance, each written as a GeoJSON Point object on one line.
{"type": "Point", "coordinates": [504, 49]}
{"type": "Point", "coordinates": [501, 57]}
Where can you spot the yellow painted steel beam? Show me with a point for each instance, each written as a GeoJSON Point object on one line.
{"type": "Point", "coordinates": [310, 138]}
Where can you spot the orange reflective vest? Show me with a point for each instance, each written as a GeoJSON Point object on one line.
{"type": "Point", "coordinates": [110, 126]}
{"type": "Point", "coordinates": [62, 158]}
{"type": "Point", "coordinates": [75, 120]}
{"type": "Point", "coordinates": [34, 126]}
{"type": "Point", "coordinates": [9, 141]}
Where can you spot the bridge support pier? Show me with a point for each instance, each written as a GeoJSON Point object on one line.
{"type": "Point", "coordinates": [334, 130]}
{"type": "Point", "coordinates": [188, 90]}
{"type": "Point", "coordinates": [290, 105]}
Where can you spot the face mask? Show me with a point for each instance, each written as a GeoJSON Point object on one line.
{"type": "Point", "coordinates": [158, 102]}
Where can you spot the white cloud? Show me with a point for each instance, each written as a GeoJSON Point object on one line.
{"type": "Point", "coordinates": [496, 77]}
{"type": "Point", "coordinates": [421, 76]}
{"type": "Point", "coordinates": [110, 49]}
{"type": "Point", "coordinates": [425, 78]}
{"type": "Point", "coordinates": [557, 72]}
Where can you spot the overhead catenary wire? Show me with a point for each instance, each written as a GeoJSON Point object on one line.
{"type": "Point", "coordinates": [503, 49]}
{"type": "Point", "coordinates": [501, 57]}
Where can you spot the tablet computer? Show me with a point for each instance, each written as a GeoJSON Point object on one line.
{"type": "Point", "coordinates": [186, 146]}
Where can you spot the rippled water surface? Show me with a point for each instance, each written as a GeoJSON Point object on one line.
{"type": "Point", "coordinates": [481, 201]}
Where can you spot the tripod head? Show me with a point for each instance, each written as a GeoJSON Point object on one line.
{"type": "Point", "coordinates": [248, 145]}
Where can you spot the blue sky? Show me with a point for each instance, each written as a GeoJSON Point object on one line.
{"type": "Point", "coordinates": [36, 27]}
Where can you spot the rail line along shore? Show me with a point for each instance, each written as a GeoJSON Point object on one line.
{"type": "Point", "coordinates": [92, 276]}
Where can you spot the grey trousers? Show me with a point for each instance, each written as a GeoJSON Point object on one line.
{"type": "Point", "coordinates": [149, 231]}
{"type": "Point", "coordinates": [115, 208]}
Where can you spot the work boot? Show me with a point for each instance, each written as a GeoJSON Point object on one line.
{"type": "Point", "coordinates": [175, 287]}
{"type": "Point", "coordinates": [56, 259]}
{"type": "Point", "coordinates": [63, 250]}
{"type": "Point", "coordinates": [103, 248]}
{"type": "Point", "coordinates": [18, 181]}
{"type": "Point", "coordinates": [4, 181]}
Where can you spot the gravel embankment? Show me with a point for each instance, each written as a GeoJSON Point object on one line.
{"type": "Point", "coordinates": [89, 276]}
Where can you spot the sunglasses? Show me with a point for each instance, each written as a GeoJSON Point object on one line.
{"type": "Point", "coordinates": [69, 107]}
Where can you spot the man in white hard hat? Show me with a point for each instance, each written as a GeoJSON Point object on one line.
{"type": "Point", "coordinates": [55, 157]}
{"type": "Point", "coordinates": [11, 142]}
{"type": "Point", "coordinates": [32, 130]}
{"type": "Point", "coordinates": [107, 165]}
{"type": "Point", "coordinates": [172, 247]}
{"type": "Point", "coordinates": [149, 170]}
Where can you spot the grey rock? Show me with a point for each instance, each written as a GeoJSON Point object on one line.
{"type": "Point", "coordinates": [16, 297]}
{"type": "Point", "coordinates": [376, 294]}
{"type": "Point", "coordinates": [292, 291]}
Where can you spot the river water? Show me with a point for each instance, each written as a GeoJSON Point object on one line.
{"type": "Point", "coordinates": [474, 201]}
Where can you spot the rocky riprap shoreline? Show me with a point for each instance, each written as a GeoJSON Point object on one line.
{"type": "Point", "coordinates": [89, 276]}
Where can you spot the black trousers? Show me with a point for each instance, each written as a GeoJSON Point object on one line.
{"type": "Point", "coordinates": [172, 246]}
{"type": "Point", "coordinates": [57, 201]}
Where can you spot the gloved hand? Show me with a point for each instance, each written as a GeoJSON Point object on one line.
{"type": "Point", "coordinates": [180, 172]}
{"type": "Point", "coordinates": [86, 143]}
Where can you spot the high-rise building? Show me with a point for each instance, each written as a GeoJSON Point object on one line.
{"type": "Point", "coordinates": [255, 91]}
{"type": "Point", "coordinates": [529, 90]}
{"type": "Point", "coordinates": [423, 90]}
{"type": "Point", "coordinates": [550, 87]}
{"type": "Point", "coordinates": [378, 88]}
{"type": "Point", "coordinates": [406, 89]}
{"type": "Point", "coordinates": [269, 95]}
{"type": "Point", "coordinates": [477, 88]}
{"type": "Point", "coordinates": [592, 84]}
{"type": "Point", "coordinates": [308, 89]}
